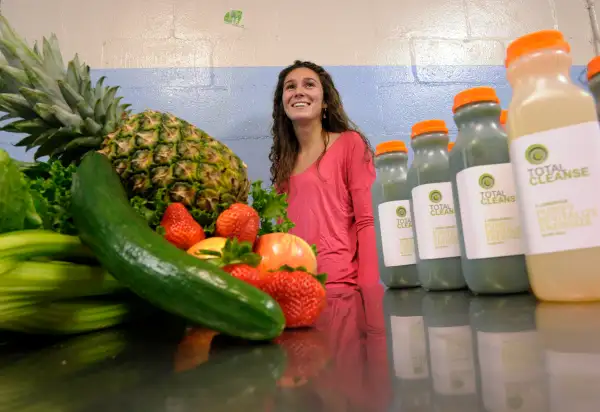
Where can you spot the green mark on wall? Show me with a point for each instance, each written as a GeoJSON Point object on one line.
{"type": "Point", "coordinates": [233, 17]}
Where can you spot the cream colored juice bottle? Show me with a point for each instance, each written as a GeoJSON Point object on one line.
{"type": "Point", "coordinates": [554, 139]}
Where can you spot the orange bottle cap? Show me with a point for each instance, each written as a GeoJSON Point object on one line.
{"type": "Point", "coordinates": [450, 145]}
{"type": "Point", "coordinates": [390, 146]}
{"type": "Point", "coordinates": [503, 116]}
{"type": "Point", "coordinates": [545, 39]}
{"type": "Point", "coordinates": [593, 67]}
{"type": "Point", "coordinates": [428, 126]}
{"type": "Point", "coordinates": [473, 95]}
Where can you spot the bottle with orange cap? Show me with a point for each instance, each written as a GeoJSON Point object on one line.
{"type": "Point", "coordinates": [503, 118]}
{"type": "Point", "coordinates": [593, 76]}
{"type": "Point", "coordinates": [393, 221]}
{"type": "Point", "coordinates": [434, 220]}
{"type": "Point", "coordinates": [485, 197]}
{"type": "Point", "coordinates": [554, 139]}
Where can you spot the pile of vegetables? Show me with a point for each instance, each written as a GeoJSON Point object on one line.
{"type": "Point", "coordinates": [49, 281]}
{"type": "Point", "coordinates": [73, 249]}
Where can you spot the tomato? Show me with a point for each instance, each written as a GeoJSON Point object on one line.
{"type": "Point", "coordinates": [279, 249]}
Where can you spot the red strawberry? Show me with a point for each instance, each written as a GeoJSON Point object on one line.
{"type": "Point", "coordinates": [237, 259]}
{"type": "Point", "coordinates": [245, 272]}
{"type": "Point", "coordinates": [300, 294]}
{"type": "Point", "coordinates": [180, 227]}
{"type": "Point", "coordinates": [239, 221]}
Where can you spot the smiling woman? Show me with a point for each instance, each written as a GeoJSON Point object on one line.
{"type": "Point", "coordinates": [325, 165]}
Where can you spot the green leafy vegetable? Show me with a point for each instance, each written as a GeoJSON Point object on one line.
{"type": "Point", "coordinates": [50, 188]}
{"type": "Point", "coordinates": [35, 195]}
{"type": "Point", "coordinates": [272, 209]}
{"type": "Point", "coordinates": [17, 210]}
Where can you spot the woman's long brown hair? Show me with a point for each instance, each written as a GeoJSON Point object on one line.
{"type": "Point", "coordinates": [285, 148]}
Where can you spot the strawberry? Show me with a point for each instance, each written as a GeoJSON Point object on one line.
{"type": "Point", "coordinates": [180, 228]}
{"type": "Point", "coordinates": [300, 294]}
{"type": "Point", "coordinates": [245, 272]}
{"type": "Point", "coordinates": [239, 221]}
{"type": "Point", "coordinates": [237, 259]}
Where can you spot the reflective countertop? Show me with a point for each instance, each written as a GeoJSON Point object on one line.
{"type": "Point", "coordinates": [372, 350]}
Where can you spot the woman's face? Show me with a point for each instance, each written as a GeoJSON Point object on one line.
{"type": "Point", "coordinates": [303, 95]}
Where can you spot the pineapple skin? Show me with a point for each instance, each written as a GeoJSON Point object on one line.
{"type": "Point", "coordinates": [163, 159]}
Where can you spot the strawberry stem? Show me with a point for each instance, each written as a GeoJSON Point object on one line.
{"type": "Point", "coordinates": [233, 253]}
{"type": "Point", "coordinates": [321, 277]}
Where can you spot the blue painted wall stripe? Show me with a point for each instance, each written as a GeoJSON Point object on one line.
{"type": "Point", "coordinates": [234, 104]}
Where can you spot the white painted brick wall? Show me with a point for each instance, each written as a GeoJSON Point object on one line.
{"type": "Point", "coordinates": [191, 33]}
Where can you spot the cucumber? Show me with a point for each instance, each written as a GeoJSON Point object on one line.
{"type": "Point", "coordinates": [156, 270]}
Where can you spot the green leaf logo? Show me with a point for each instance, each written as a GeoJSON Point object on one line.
{"type": "Point", "coordinates": [536, 154]}
{"type": "Point", "coordinates": [233, 17]}
{"type": "Point", "coordinates": [400, 211]}
{"type": "Point", "coordinates": [435, 196]}
{"type": "Point", "coordinates": [486, 181]}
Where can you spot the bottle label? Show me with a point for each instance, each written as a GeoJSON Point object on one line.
{"type": "Point", "coordinates": [435, 221]}
{"type": "Point", "coordinates": [557, 174]}
{"type": "Point", "coordinates": [397, 240]}
{"type": "Point", "coordinates": [489, 211]}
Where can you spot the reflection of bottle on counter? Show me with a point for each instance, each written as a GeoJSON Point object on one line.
{"type": "Point", "coordinates": [407, 349]}
{"type": "Point", "coordinates": [570, 337]}
{"type": "Point", "coordinates": [510, 364]}
{"type": "Point", "coordinates": [450, 345]}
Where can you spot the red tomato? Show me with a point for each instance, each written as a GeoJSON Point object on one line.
{"type": "Point", "coordinates": [278, 249]}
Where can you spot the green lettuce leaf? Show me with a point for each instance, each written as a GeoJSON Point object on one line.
{"type": "Point", "coordinates": [17, 206]}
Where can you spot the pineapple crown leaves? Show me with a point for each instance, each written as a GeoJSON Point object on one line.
{"type": "Point", "coordinates": [272, 209]}
{"type": "Point", "coordinates": [59, 108]}
{"type": "Point", "coordinates": [321, 277]}
{"type": "Point", "coordinates": [233, 253]}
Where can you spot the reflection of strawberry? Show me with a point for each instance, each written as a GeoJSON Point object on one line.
{"type": "Point", "coordinates": [237, 259]}
{"type": "Point", "coordinates": [300, 294]}
{"type": "Point", "coordinates": [307, 355]}
{"type": "Point", "coordinates": [239, 221]}
{"type": "Point", "coordinates": [180, 227]}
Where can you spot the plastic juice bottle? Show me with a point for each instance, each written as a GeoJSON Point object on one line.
{"type": "Point", "coordinates": [503, 116]}
{"type": "Point", "coordinates": [450, 146]}
{"type": "Point", "coordinates": [391, 199]}
{"type": "Point", "coordinates": [593, 71]}
{"type": "Point", "coordinates": [554, 138]}
{"type": "Point", "coordinates": [432, 206]}
{"type": "Point", "coordinates": [485, 197]}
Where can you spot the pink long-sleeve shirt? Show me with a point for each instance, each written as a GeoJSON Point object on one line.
{"type": "Point", "coordinates": [332, 209]}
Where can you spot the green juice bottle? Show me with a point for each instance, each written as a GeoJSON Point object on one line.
{"type": "Point", "coordinates": [432, 206]}
{"type": "Point", "coordinates": [593, 76]}
{"type": "Point", "coordinates": [393, 224]}
{"type": "Point", "coordinates": [485, 198]}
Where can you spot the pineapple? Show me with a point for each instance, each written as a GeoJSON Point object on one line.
{"type": "Point", "coordinates": [159, 157]}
